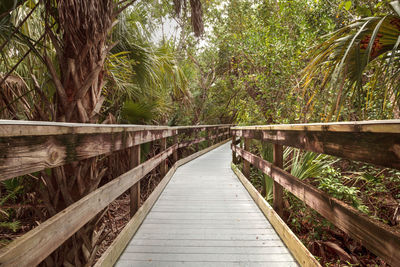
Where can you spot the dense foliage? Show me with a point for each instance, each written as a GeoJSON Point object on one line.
{"type": "Point", "coordinates": [205, 62]}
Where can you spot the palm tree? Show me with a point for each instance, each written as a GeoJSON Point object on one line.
{"type": "Point", "coordinates": [365, 50]}
{"type": "Point", "coordinates": [79, 55]}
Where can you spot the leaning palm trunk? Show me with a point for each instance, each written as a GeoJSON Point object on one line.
{"type": "Point", "coordinates": [81, 49]}
{"type": "Point", "coordinates": [78, 31]}
{"type": "Point", "coordinates": [81, 52]}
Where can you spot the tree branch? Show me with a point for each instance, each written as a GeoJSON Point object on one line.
{"type": "Point", "coordinates": [57, 82]}
{"type": "Point", "coordinates": [116, 13]}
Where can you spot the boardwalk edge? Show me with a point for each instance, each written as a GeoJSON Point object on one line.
{"type": "Point", "coordinates": [295, 246]}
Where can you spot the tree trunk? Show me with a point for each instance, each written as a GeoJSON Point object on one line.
{"type": "Point", "coordinates": [81, 48]}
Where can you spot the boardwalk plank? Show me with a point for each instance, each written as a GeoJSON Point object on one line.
{"type": "Point", "coordinates": [207, 257]}
{"type": "Point", "coordinates": [131, 263]}
{"type": "Point", "coordinates": [205, 217]}
{"type": "Point", "coordinates": [206, 250]}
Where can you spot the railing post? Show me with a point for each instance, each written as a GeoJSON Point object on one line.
{"type": "Point", "coordinates": [246, 164]}
{"type": "Point", "coordinates": [196, 135]}
{"type": "Point", "coordinates": [278, 189]}
{"type": "Point", "coordinates": [208, 137]}
{"type": "Point", "coordinates": [175, 154]}
{"type": "Point", "coordinates": [233, 152]}
{"type": "Point", "coordinates": [163, 165]}
{"type": "Point", "coordinates": [211, 133]}
{"type": "Point", "coordinates": [135, 189]}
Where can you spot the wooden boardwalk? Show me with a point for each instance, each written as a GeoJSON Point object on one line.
{"type": "Point", "coordinates": [205, 217]}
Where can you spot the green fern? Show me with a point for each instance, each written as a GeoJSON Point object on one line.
{"type": "Point", "coordinates": [14, 226]}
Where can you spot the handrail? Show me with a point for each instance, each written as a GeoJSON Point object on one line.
{"type": "Point", "coordinates": [374, 126]}
{"type": "Point", "coordinates": [14, 128]}
{"type": "Point", "coordinates": [373, 142]}
{"type": "Point", "coordinates": [376, 142]}
{"type": "Point", "coordinates": [27, 147]}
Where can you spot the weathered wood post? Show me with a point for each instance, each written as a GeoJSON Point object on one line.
{"type": "Point", "coordinates": [278, 189]}
{"type": "Point", "coordinates": [163, 164]}
{"type": "Point", "coordinates": [135, 189]}
{"type": "Point", "coordinates": [246, 164]}
{"type": "Point", "coordinates": [208, 137]}
{"type": "Point", "coordinates": [175, 154]}
{"type": "Point", "coordinates": [233, 152]}
{"type": "Point", "coordinates": [211, 133]}
{"type": "Point", "coordinates": [197, 136]}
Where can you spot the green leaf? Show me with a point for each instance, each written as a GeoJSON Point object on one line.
{"type": "Point", "coordinates": [347, 5]}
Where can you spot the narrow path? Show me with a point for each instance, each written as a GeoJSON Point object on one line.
{"type": "Point", "coordinates": [205, 217]}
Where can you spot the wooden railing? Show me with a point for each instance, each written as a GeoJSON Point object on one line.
{"type": "Point", "coordinates": [28, 147]}
{"type": "Point", "coordinates": [376, 142]}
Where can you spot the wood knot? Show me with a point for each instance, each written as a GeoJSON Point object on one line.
{"type": "Point", "coordinates": [53, 156]}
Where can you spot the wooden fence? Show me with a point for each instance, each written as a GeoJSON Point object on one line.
{"type": "Point", "coordinates": [28, 147]}
{"type": "Point", "coordinates": [376, 142]}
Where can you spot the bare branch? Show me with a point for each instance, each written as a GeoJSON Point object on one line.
{"type": "Point", "coordinates": [116, 13]}
{"type": "Point", "coordinates": [59, 87]}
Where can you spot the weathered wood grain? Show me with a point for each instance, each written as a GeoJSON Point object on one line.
{"type": "Point", "coordinates": [373, 126]}
{"type": "Point", "coordinates": [175, 154]}
{"type": "Point", "coordinates": [296, 247]}
{"type": "Point", "coordinates": [163, 165]}
{"type": "Point", "coordinates": [199, 140]}
{"type": "Point", "coordinates": [191, 142]}
{"type": "Point", "coordinates": [277, 188]}
{"type": "Point", "coordinates": [135, 189]}
{"type": "Point", "coordinates": [12, 128]}
{"type": "Point", "coordinates": [374, 235]}
{"type": "Point", "coordinates": [246, 164]}
{"type": "Point", "coordinates": [26, 154]}
{"type": "Point", "coordinates": [234, 160]}
{"type": "Point", "coordinates": [189, 129]}
{"type": "Point", "coordinates": [380, 148]}
{"type": "Point", "coordinates": [37, 244]}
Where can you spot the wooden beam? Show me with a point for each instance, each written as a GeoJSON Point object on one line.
{"type": "Point", "coordinates": [189, 129]}
{"type": "Point", "coordinates": [246, 164]}
{"type": "Point", "coordinates": [202, 139]}
{"type": "Point", "coordinates": [33, 247]}
{"type": "Point", "coordinates": [192, 142]}
{"type": "Point", "coordinates": [175, 154]}
{"type": "Point", "coordinates": [379, 238]}
{"type": "Point", "coordinates": [135, 189]}
{"type": "Point", "coordinates": [111, 255]}
{"type": "Point", "coordinates": [377, 148]}
{"type": "Point", "coordinates": [233, 152]}
{"type": "Point", "coordinates": [373, 126]}
{"type": "Point", "coordinates": [295, 246]}
{"type": "Point", "coordinates": [196, 136]}
{"type": "Point", "coordinates": [163, 164]}
{"type": "Point", "coordinates": [26, 154]}
{"type": "Point", "coordinates": [13, 128]}
{"type": "Point", "coordinates": [277, 188]}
